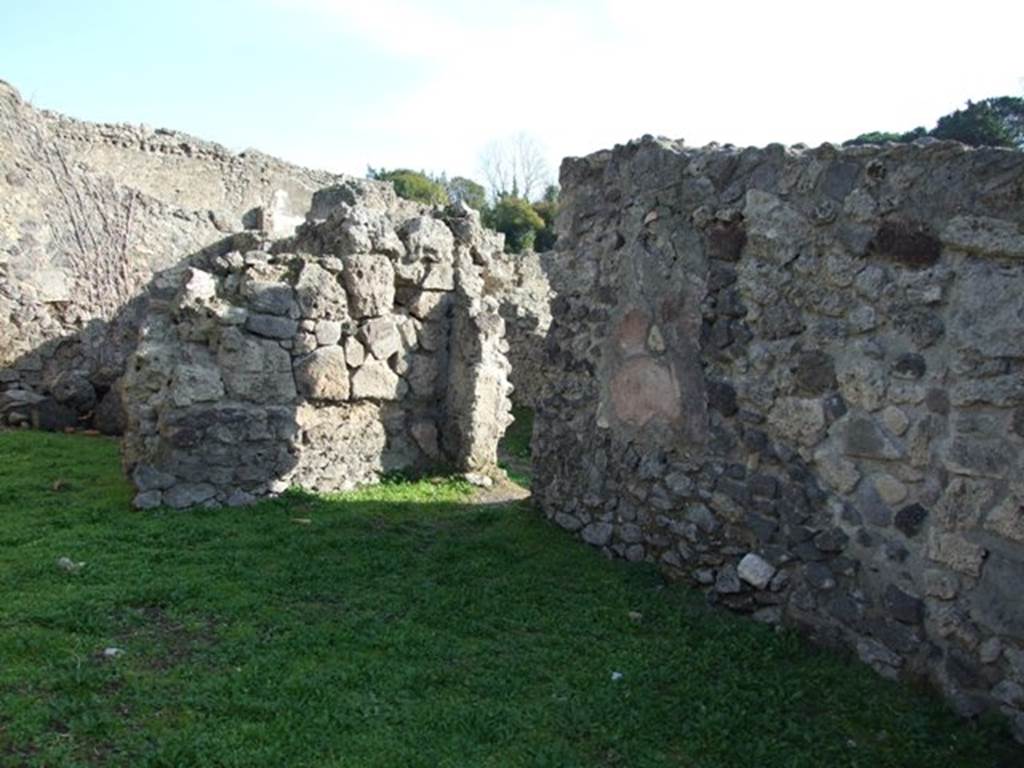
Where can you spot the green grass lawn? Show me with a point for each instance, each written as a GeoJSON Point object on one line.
{"type": "Point", "coordinates": [397, 626]}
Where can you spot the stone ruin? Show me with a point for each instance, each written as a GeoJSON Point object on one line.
{"type": "Point", "coordinates": [362, 345]}
{"type": "Point", "coordinates": [791, 377]}
{"type": "Point", "coordinates": [795, 378]}
{"type": "Point", "coordinates": [88, 215]}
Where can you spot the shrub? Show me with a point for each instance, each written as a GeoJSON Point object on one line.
{"type": "Point", "coordinates": [413, 185]}
{"type": "Point", "coordinates": [517, 220]}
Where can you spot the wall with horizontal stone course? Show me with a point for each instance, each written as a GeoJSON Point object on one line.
{"type": "Point", "coordinates": [88, 214]}
{"type": "Point", "coordinates": [360, 346]}
{"type": "Point", "coordinates": [795, 377]}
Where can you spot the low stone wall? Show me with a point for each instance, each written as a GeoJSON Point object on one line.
{"type": "Point", "coordinates": [363, 345]}
{"type": "Point", "coordinates": [88, 215]}
{"type": "Point", "coordinates": [795, 377]}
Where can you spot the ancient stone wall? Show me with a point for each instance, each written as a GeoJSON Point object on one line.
{"type": "Point", "coordinates": [88, 214]}
{"type": "Point", "coordinates": [795, 377]}
{"type": "Point", "coordinates": [245, 190]}
{"type": "Point", "coordinates": [362, 345]}
{"type": "Point", "coordinates": [520, 283]}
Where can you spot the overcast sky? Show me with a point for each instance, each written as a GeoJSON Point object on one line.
{"type": "Point", "coordinates": [340, 84]}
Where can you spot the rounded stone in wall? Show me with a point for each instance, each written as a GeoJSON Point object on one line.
{"type": "Point", "coordinates": [323, 375]}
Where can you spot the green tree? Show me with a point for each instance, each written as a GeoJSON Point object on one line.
{"type": "Point", "coordinates": [413, 185]}
{"type": "Point", "coordinates": [547, 209]}
{"type": "Point", "coordinates": [461, 189]}
{"type": "Point", "coordinates": [517, 220]}
{"type": "Point", "coordinates": [996, 122]}
{"type": "Point", "coordinates": [883, 137]}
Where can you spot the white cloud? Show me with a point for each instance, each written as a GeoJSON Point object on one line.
{"type": "Point", "coordinates": [580, 76]}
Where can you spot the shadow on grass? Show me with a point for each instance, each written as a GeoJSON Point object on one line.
{"type": "Point", "coordinates": [398, 625]}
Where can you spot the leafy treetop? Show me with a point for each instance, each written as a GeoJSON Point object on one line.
{"type": "Point", "coordinates": [413, 185]}
{"type": "Point", "coordinates": [994, 122]}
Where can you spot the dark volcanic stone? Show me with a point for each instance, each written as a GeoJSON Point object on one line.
{"type": "Point", "coordinates": [765, 486]}
{"type": "Point", "coordinates": [937, 401]}
{"type": "Point", "coordinates": [864, 438]}
{"type": "Point", "coordinates": [730, 304]}
{"type": "Point", "coordinates": [896, 552]}
{"type": "Point", "coordinates": [781, 320]}
{"type": "Point", "coordinates": [755, 439]}
{"type": "Point", "coordinates": [1018, 422]}
{"type": "Point", "coordinates": [832, 540]}
{"type": "Point", "coordinates": [725, 240]}
{"type": "Point", "coordinates": [735, 490]}
{"type": "Point", "coordinates": [815, 373]}
{"type": "Point", "coordinates": [720, 276]}
{"type": "Point", "coordinates": [721, 441]}
{"type": "Point", "coordinates": [798, 533]}
{"type": "Point", "coordinates": [806, 551]}
{"type": "Point", "coordinates": [845, 566]}
{"type": "Point", "coordinates": [109, 417]}
{"type": "Point", "coordinates": [820, 576]}
{"type": "Point", "coordinates": [910, 518]}
{"type": "Point", "coordinates": [722, 397]}
{"type": "Point", "coordinates": [900, 637]}
{"type": "Point", "coordinates": [720, 335]}
{"type": "Point", "coordinates": [736, 471]}
{"type": "Point", "coordinates": [903, 607]}
{"type": "Point", "coordinates": [762, 527]}
{"type": "Point", "coordinates": [909, 243]}
{"type": "Point", "coordinates": [835, 407]}
{"type": "Point", "coordinates": [845, 609]}
{"type": "Point", "coordinates": [996, 601]}
{"type": "Point", "coordinates": [74, 390]}
{"type": "Point", "coordinates": [271, 326]}
{"type": "Point", "coordinates": [727, 582]}
{"type": "Point", "coordinates": [850, 515]}
{"type": "Point", "coordinates": [909, 366]}
{"type": "Point", "coordinates": [840, 179]}
{"type": "Point", "coordinates": [875, 511]}
{"type": "Point", "coordinates": [922, 325]}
